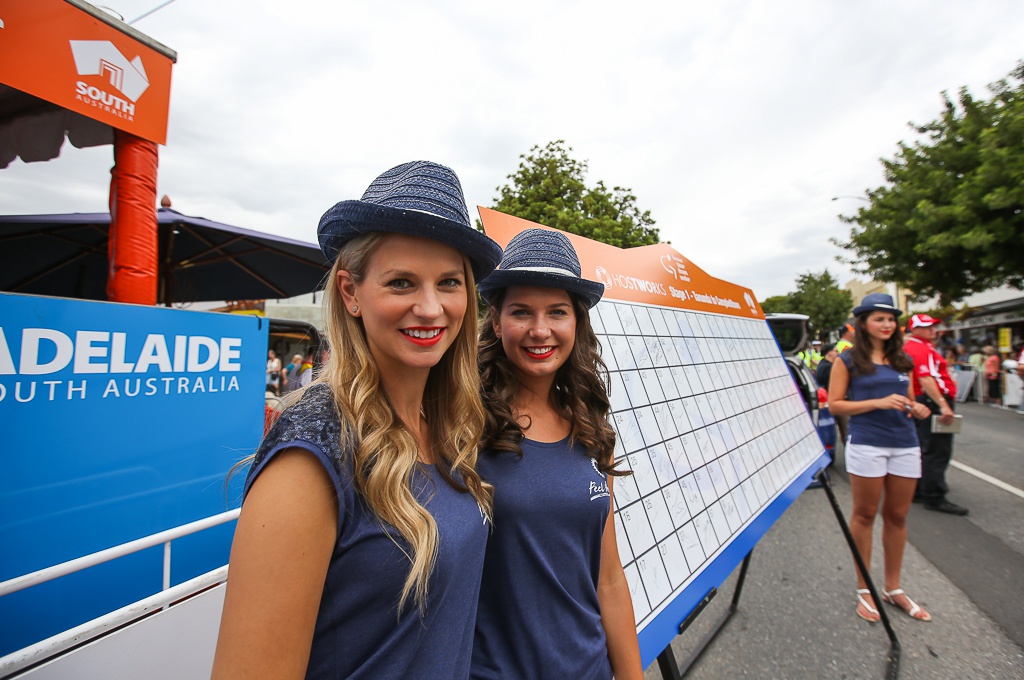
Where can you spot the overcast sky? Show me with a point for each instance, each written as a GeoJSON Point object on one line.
{"type": "Point", "coordinates": [734, 122]}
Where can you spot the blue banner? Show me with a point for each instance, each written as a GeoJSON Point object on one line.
{"type": "Point", "coordinates": [118, 421]}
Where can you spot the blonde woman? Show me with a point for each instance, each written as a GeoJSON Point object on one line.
{"type": "Point", "coordinates": [360, 544]}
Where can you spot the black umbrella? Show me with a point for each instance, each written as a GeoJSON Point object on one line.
{"type": "Point", "coordinates": [199, 260]}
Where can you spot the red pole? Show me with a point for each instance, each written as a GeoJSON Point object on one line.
{"type": "Point", "coordinates": [132, 241]}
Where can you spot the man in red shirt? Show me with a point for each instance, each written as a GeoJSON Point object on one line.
{"type": "Point", "coordinates": [934, 388]}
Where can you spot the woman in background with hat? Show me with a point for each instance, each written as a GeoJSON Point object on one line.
{"type": "Point", "coordinates": [871, 384]}
{"type": "Point", "coordinates": [554, 601]}
{"type": "Point", "coordinates": [361, 540]}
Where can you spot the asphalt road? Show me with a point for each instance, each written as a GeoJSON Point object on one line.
{"type": "Point", "coordinates": [983, 553]}
{"type": "Point", "coordinates": [796, 615]}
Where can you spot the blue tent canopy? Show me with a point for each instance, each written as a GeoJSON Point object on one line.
{"type": "Point", "coordinates": [199, 259]}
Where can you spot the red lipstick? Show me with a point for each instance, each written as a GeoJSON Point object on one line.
{"type": "Point", "coordinates": [538, 357]}
{"type": "Point", "coordinates": [426, 339]}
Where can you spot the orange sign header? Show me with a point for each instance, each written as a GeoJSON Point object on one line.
{"type": "Point", "coordinates": [57, 51]}
{"type": "Point", "coordinates": [656, 275]}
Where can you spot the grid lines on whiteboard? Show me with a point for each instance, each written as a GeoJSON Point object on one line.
{"type": "Point", "coordinates": [709, 420]}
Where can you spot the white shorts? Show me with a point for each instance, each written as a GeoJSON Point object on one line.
{"type": "Point", "coordinates": [878, 461]}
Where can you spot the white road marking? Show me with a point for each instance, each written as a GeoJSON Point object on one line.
{"type": "Point", "coordinates": [988, 478]}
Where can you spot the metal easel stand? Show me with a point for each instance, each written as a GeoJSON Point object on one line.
{"type": "Point", "coordinates": [667, 660]}
{"type": "Point", "coordinates": [893, 662]}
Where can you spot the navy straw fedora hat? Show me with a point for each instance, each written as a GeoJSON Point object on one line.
{"type": "Point", "coordinates": [540, 257]}
{"type": "Point", "coordinates": [419, 198]}
{"type": "Point", "coordinates": [877, 302]}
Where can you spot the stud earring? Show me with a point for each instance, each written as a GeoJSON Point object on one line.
{"type": "Point", "coordinates": [355, 308]}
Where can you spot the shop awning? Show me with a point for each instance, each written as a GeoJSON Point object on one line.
{"type": "Point", "coordinates": [198, 259]}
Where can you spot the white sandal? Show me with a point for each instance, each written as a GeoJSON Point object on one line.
{"type": "Point", "coordinates": [915, 609]}
{"type": "Point", "coordinates": [861, 592]}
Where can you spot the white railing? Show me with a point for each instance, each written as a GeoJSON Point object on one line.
{"type": "Point", "coordinates": [56, 571]}
{"type": "Point", "coordinates": [75, 637]}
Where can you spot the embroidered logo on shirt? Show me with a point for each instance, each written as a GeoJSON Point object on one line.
{"type": "Point", "coordinates": [598, 489]}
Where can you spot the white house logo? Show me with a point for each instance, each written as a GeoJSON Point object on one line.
{"type": "Point", "coordinates": [750, 302]}
{"type": "Point", "coordinates": [102, 58]}
{"type": "Point", "coordinates": [675, 266]}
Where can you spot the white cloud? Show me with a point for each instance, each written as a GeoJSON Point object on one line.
{"type": "Point", "coordinates": [733, 122]}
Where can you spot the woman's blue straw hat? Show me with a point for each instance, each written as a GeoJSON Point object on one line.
{"type": "Point", "coordinates": [540, 257]}
{"type": "Point", "coordinates": [877, 302]}
{"type": "Point", "coordinates": [419, 198]}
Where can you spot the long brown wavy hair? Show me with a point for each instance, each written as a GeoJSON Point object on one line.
{"type": "Point", "coordinates": [892, 349]}
{"type": "Point", "coordinates": [579, 392]}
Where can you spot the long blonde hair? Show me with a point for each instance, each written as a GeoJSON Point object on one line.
{"type": "Point", "coordinates": [383, 450]}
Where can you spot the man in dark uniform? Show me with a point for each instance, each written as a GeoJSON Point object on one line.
{"type": "Point", "coordinates": [846, 335]}
{"type": "Point", "coordinates": [823, 374]}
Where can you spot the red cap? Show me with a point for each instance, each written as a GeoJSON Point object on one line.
{"type": "Point", "coordinates": [922, 321]}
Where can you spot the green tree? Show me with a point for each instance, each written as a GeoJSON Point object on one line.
{"type": "Point", "coordinates": [820, 297]}
{"type": "Point", "coordinates": [777, 304]}
{"type": "Point", "coordinates": [549, 188]}
{"type": "Point", "coordinates": [950, 218]}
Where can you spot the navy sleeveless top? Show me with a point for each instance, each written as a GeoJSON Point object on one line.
{"type": "Point", "coordinates": [360, 632]}
{"type": "Point", "coordinates": [539, 615]}
{"type": "Point", "coordinates": [881, 427]}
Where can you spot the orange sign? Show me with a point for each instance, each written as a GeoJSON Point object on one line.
{"type": "Point", "coordinates": [656, 275]}
{"type": "Point", "coordinates": [56, 51]}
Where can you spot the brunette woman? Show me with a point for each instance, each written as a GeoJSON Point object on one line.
{"type": "Point", "coordinates": [361, 539]}
{"type": "Point", "coordinates": [554, 601]}
{"type": "Point", "coordinates": [871, 384]}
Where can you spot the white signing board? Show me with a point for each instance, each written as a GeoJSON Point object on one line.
{"type": "Point", "coordinates": [712, 426]}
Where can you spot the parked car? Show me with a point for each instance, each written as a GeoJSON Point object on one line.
{"type": "Point", "coordinates": [827, 425]}
{"type": "Point", "coordinates": [791, 333]}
